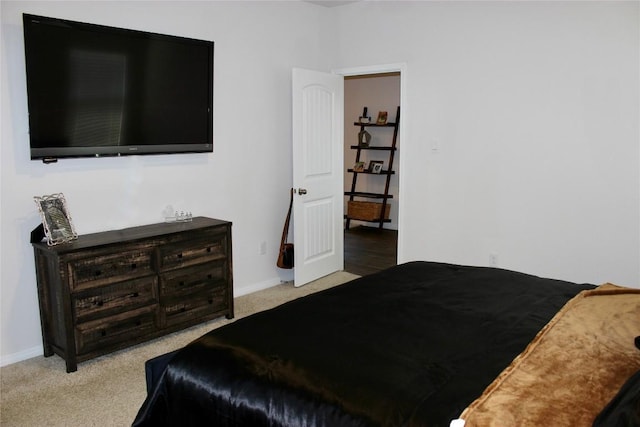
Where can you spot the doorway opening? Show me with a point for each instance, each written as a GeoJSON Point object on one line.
{"type": "Point", "coordinates": [369, 248]}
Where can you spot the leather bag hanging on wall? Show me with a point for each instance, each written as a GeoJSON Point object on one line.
{"type": "Point", "coordinates": [285, 256]}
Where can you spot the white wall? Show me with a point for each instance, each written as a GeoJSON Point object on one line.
{"type": "Point", "coordinates": [377, 93]}
{"type": "Point", "coordinates": [246, 180]}
{"type": "Point", "coordinates": [534, 107]}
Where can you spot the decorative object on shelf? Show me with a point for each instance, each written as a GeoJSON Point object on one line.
{"type": "Point", "coordinates": [364, 118]}
{"type": "Point", "coordinates": [382, 118]}
{"type": "Point", "coordinates": [364, 138]}
{"type": "Point", "coordinates": [56, 220]}
{"type": "Point", "coordinates": [358, 167]}
{"type": "Point", "coordinates": [375, 166]}
{"type": "Point", "coordinates": [367, 211]}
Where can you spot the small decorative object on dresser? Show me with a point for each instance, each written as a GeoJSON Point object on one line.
{"type": "Point", "coordinates": [106, 291]}
{"type": "Point", "coordinates": [56, 220]}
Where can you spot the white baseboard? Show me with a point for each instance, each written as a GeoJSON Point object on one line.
{"type": "Point", "coordinates": [246, 290]}
{"type": "Point", "coordinates": [29, 353]}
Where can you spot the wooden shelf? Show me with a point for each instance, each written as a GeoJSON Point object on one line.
{"type": "Point", "coordinates": [361, 147]}
{"type": "Point", "coordinates": [386, 125]}
{"type": "Point", "coordinates": [368, 195]}
{"type": "Point", "coordinates": [383, 172]}
{"type": "Point", "coordinates": [367, 220]}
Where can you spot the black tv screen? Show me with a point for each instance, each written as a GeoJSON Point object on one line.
{"type": "Point", "coordinates": [101, 91]}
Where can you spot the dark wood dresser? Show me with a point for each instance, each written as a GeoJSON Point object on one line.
{"type": "Point", "coordinates": [110, 290]}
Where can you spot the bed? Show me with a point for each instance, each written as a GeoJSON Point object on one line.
{"type": "Point", "coordinates": [419, 344]}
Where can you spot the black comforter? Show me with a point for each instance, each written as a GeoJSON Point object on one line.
{"type": "Point", "coordinates": [409, 346]}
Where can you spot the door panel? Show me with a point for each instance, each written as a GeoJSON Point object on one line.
{"type": "Point", "coordinates": [318, 100]}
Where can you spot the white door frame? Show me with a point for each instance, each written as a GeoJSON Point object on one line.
{"type": "Point", "coordinates": [402, 69]}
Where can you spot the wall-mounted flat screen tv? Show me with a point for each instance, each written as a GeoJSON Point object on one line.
{"type": "Point", "coordinates": [96, 91]}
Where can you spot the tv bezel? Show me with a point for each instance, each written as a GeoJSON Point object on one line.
{"type": "Point", "coordinates": [51, 154]}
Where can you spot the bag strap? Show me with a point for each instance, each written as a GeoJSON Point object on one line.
{"type": "Point", "coordinates": [285, 231]}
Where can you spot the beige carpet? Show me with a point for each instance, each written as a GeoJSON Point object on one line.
{"type": "Point", "coordinates": [108, 391]}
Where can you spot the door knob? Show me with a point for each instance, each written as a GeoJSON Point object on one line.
{"type": "Point", "coordinates": [302, 191]}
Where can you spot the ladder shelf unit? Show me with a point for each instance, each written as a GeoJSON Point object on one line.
{"type": "Point", "coordinates": [380, 210]}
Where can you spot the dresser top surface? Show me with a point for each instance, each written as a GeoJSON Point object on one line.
{"type": "Point", "coordinates": [133, 233]}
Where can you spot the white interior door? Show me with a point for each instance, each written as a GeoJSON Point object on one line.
{"type": "Point", "coordinates": [318, 104]}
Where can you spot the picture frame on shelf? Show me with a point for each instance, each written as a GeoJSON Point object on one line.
{"type": "Point", "coordinates": [375, 166]}
{"type": "Point", "coordinates": [358, 167]}
{"type": "Point", "coordinates": [56, 221]}
{"type": "Point", "coordinates": [382, 118]}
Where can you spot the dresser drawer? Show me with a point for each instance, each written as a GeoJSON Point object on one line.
{"type": "Point", "coordinates": [193, 279]}
{"type": "Point", "coordinates": [114, 330]}
{"type": "Point", "coordinates": [200, 248]}
{"type": "Point", "coordinates": [110, 267]}
{"type": "Point", "coordinates": [112, 299]}
{"type": "Point", "coordinates": [187, 310]}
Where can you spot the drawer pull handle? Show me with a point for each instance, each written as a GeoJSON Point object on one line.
{"type": "Point", "coordinates": [103, 333]}
{"type": "Point", "coordinates": [209, 250]}
{"type": "Point", "coordinates": [209, 276]}
{"type": "Point", "coordinates": [99, 303]}
{"type": "Point", "coordinates": [97, 273]}
{"type": "Point", "coordinates": [138, 322]}
{"type": "Point", "coordinates": [134, 266]}
{"type": "Point", "coordinates": [183, 309]}
{"type": "Point", "coordinates": [135, 295]}
{"type": "Point", "coordinates": [181, 284]}
{"type": "Point", "coordinates": [179, 256]}
{"type": "Point", "coordinates": [210, 301]}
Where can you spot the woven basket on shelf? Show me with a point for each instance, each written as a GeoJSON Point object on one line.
{"type": "Point", "coordinates": [366, 211]}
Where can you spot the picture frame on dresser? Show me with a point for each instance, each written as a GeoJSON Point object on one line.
{"type": "Point", "coordinates": [56, 221]}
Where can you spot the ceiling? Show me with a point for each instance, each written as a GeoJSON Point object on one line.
{"type": "Point", "coordinates": [331, 3]}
